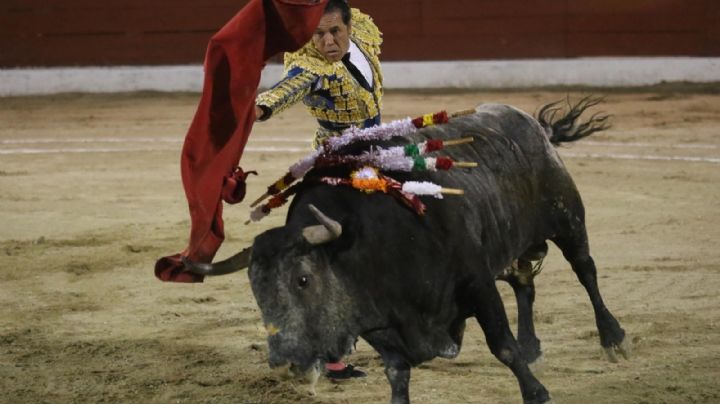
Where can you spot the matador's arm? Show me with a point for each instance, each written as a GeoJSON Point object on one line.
{"type": "Point", "coordinates": [291, 89]}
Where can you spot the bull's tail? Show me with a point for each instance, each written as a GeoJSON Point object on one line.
{"type": "Point", "coordinates": [564, 127]}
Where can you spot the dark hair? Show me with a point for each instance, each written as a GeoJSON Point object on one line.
{"type": "Point", "coordinates": [341, 6]}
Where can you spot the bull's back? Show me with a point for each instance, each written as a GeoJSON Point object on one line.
{"type": "Point", "coordinates": [509, 195]}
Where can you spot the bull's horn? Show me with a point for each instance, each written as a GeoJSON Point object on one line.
{"type": "Point", "coordinates": [235, 263]}
{"type": "Point", "coordinates": [328, 230]}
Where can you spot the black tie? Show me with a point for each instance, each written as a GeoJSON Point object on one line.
{"type": "Point", "coordinates": [355, 72]}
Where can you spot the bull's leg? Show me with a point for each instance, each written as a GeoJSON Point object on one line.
{"type": "Point", "coordinates": [520, 277]}
{"type": "Point", "coordinates": [576, 251]}
{"type": "Point", "coordinates": [397, 371]}
{"type": "Point", "coordinates": [490, 313]}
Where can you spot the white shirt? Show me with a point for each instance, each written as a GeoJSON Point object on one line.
{"type": "Point", "coordinates": [360, 61]}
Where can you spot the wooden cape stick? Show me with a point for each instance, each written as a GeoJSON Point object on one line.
{"type": "Point", "coordinates": [260, 199]}
{"type": "Point", "coordinates": [462, 113]}
{"type": "Point", "coordinates": [452, 191]}
{"type": "Point", "coordinates": [455, 142]}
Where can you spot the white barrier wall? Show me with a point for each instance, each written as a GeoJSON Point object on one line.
{"type": "Point", "coordinates": [595, 72]}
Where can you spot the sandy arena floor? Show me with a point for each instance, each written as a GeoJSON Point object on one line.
{"type": "Point", "coordinates": [90, 196]}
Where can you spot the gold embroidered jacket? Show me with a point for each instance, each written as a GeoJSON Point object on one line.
{"type": "Point", "coordinates": [328, 90]}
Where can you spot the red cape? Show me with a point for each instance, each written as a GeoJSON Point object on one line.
{"type": "Point", "coordinates": [217, 136]}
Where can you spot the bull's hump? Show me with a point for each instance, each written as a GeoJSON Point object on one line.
{"type": "Point", "coordinates": [499, 110]}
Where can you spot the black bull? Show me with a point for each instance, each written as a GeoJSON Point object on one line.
{"type": "Point", "coordinates": [406, 283]}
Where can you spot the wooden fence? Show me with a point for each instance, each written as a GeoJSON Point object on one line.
{"type": "Point", "coordinates": [147, 32]}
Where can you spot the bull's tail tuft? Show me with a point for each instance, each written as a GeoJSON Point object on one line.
{"type": "Point", "coordinates": [566, 127]}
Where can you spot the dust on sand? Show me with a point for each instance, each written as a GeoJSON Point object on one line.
{"type": "Point", "coordinates": [90, 196]}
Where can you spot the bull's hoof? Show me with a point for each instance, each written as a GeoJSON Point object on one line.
{"type": "Point", "coordinates": [623, 349]}
{"type": "Point", "coordinates": [531, 351]}
{"type": "Point", "coordinates": [537, 367]}
{"type": "Point", "coordinates": [539, 396]}
{"type": "Point", "coordinates": [548, 401]}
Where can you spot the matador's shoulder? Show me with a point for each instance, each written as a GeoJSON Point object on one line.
{"type": "Point", "coordinates": [364, 33]}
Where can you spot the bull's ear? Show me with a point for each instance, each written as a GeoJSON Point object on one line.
{"type": "Point", "coordinates": [327, 231]}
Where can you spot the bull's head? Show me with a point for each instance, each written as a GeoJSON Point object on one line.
{"type": "Point", "coordinates": [304, 305]}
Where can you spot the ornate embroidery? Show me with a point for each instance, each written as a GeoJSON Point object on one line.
{"type": "Point", "coordinates": [287, 92]}
{"type": "Point", "coordinates": [348, 103]}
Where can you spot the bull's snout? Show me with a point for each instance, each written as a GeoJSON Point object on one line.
{"type": "Point", "coordinates": [284, 351]}
{"type": "Point", "coordinates": [278, 360]}
{"type": "Point", "coordinates": [309, 376]}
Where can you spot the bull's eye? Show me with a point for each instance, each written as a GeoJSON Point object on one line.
{"type": "Point", "coordinates": [303, 281]}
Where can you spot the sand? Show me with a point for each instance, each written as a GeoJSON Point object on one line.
{"type": "Point", "coordinates": [90, 196]}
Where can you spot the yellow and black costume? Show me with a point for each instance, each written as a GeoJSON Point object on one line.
{"type": "Point", "coordinates": [331, 91]}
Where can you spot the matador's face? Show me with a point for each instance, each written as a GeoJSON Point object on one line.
{"type": "Point", "coordinates": [332, 36]}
